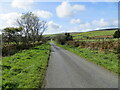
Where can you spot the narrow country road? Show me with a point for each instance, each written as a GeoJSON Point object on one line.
{"type": "Point", "coordinates": [67, 70]}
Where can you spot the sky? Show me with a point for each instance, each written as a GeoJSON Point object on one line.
{"type": "Point", "coordinates": [64, 16]}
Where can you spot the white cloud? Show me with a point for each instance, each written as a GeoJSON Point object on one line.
{"type": "Point", "coordinates": [100, 23]}
{"type": "Point", "coordinates": [75, 21]}
{"type": "Point", "coordinates": [43, 14]}
{"type": "Point", "coordinates": [53, 28]}
{"type": "Point", "coordinates": [9, 19]}
{"type": "Point", "coordinates": [86, 26]}
{"type": "Point", "coordinates": [79, 7]}
{"type": "Point", "coordinates": [24, 4]}
{"type": "Point", "coordinates": [115, 23]}
{"type": "Point", "coordinates": [94, 25]}
{"type": "Point", "coordinates": [67, 10]}
{"type": "Point", "coordinates": [53, 25]}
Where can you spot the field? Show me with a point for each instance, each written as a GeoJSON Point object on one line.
{"type": "Point", "coordinates": [94, 35]}
{"type": "Point", "coordinates": [96, 40]}
{"type": "Point", "coordinates": [26, 69]}
{"type": "Point", "coordinates": [99, 35]}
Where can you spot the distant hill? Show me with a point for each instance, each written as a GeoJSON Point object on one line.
{"type": "Point", "coordinates": [95, 33]}
{"type": "Point", "coordinates": [107, 29]}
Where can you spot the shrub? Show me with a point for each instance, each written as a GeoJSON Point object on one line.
{"type": "Point", "coordinates": [68, 37]}
{"type": "Point", "coordinates": [117, 34]}
{"type": "Point", "coordinates": [13, 48]}
{"type": "Point", "coordinates": [62, 39]}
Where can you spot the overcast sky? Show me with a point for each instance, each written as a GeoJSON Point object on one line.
{"type": "Point", "coordinates": [62, 16]}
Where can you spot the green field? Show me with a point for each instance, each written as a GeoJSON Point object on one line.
{"type": "Point", "coordinates": [98, 40]}
{"type": "Point", "coordinates": [106, 60]}
{"type": "Point", "coordinates": [93, 34]}
{"type": "Point", "coordinates": [25, 69]}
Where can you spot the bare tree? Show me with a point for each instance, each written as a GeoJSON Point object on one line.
{"type": "Point", "coordinates": [42, 27]}
{"type": "Point", "coordinates": [32, 27]}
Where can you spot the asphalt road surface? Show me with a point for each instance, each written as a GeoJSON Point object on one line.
{"type": "Point", "coordinates": [67, 70]}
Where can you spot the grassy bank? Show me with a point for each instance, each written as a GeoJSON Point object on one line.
{"type": "Point", "coordinates": [106, 60]}
{"type": "Point", "coordinates": [25, 69]}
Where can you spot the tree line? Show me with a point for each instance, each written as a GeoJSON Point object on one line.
{"type": "Point", "coordinates": [30, 29]}
{"type": "Point", "coordinates": [28, 34]}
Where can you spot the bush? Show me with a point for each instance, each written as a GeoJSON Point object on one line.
{"type": "Point", "coordinates": [117, 34]}
{"type": "Point", "coordinates": [68, 37]}
{"type": "Point", "coordinates": [73, 43]}
{"type": "Point", "coordinates": [118, 49]}
{"type": "Point", "coordinates": [13, 48]}
{"type": "Point", "coordinates": [62, 39]}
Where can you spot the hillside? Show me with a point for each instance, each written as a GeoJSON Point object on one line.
{"type": "Point", "coordinates": [94, 34]}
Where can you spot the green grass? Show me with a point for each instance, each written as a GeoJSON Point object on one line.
{"type": "Point", "coordinates": [93, 34]}
{"type": "Point", "coordinates": [106, 60]}
{"type": "Point", "coordinates": [52, 35]}
{"type": "Point", "coordinates": [25, 69]}
{"type": "Point", "coordinates": [100, 40]}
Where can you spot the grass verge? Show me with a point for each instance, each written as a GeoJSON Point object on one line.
{"type": "Point", "coordinates": [25, 69]}
{"type": "Point", "coordinates": [106, 60]}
